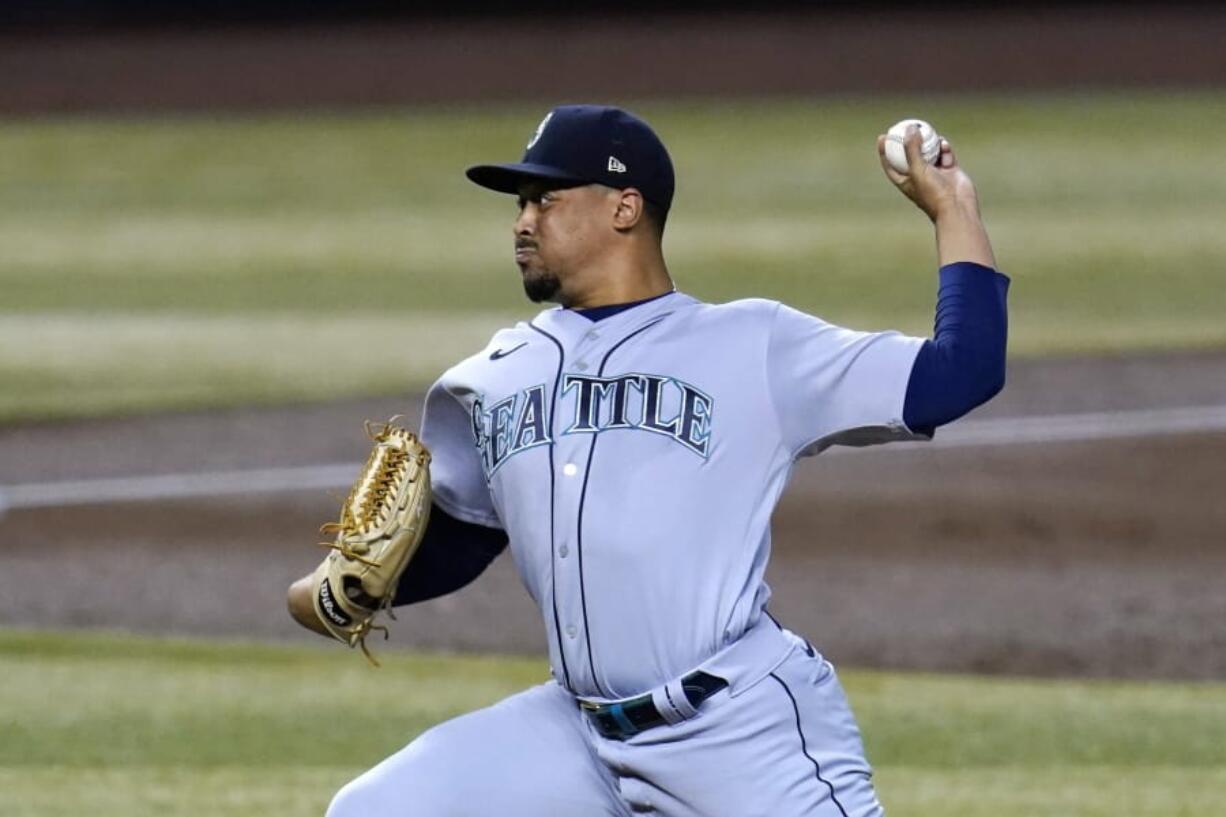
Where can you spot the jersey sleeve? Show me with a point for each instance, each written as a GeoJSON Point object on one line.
{"type": "Point", "coordinates": [835, 386]}
{"type": "Point", "coordinates": [456, 476]}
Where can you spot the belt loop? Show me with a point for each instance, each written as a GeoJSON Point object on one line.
{"type": "Point", "coordinates": [670, 714]}
{"type": "Point", "coordinates": [672, 703]}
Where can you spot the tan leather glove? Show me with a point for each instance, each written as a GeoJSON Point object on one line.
{"type": "Point", "coordinates": [381, 525]}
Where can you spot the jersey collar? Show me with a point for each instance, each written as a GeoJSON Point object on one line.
{"type": "Point", "coordinates": [595, 314]}
{"type": "Point", "coordinates": [568, 325]}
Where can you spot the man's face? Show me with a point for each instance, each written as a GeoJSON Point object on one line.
{"type": "Point", "coordinates": [558, 231]}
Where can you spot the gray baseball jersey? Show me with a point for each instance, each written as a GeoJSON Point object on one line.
{"type": "Point", "coordinates": [635, 463]}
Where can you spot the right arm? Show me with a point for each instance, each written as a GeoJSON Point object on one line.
{"type": "Point", "coordinates": [947, 196]}
{"type": "Point", "coordinates": [963, 366]}
{"type": "Point", "coordinates": [831, 385]}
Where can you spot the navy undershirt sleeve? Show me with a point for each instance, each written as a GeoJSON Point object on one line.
{"type": "Point", "coordinates": [963, 366]}
{"type": "Point", "coordinates": [452, 553]}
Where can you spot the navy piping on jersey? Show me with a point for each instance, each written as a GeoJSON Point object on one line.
{"type": "Point", "coordinates": [587, 472]}
{"type": "Point", "coordinates": [804, 747]}
{"type": "Point", "coordinates": [553, 583]}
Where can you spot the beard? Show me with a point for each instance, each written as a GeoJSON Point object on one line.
{"type": "Point", "coordinates": [541, 285]}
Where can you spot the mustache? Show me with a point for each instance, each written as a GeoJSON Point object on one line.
{"type": "Point", "coordinates": [525, 244]}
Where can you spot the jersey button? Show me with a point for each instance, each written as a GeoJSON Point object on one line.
{"type": "Point", "coordinates": [570, 469]}
{"type": "Point", "coordinates": [564, 551]}
{"type": "Point", "coordinates": [591, 336]}
{"type": "Point", "coordinates": [571, 630]}
{"type": "Point", "coordinates": [581, 366]}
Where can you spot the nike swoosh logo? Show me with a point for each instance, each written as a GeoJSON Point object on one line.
{"type": "Point", "coordinates": [499, 354]}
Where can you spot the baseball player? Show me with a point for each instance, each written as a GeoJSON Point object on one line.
{"type": "Point", "coordinates": [630, 445]}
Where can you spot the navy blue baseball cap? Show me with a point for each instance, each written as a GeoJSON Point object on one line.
{"type": "Point", "coordinates": [589, 144]}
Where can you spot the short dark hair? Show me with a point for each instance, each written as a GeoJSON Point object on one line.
{"type": "Point", "coordinates": [656, 214]}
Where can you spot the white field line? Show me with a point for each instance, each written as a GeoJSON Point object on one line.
{"type": "Point", "coordinates": [177, 486]}
{"type": "Point", "coordinates": [1057, 428]}
{"type": "Point", "coordinates": [994, 432]}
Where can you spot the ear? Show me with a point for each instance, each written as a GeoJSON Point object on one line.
{"type": "Point", "coordinates": [629, 211]}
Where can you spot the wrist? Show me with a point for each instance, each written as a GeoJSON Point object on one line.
{"type": "Point", "coordinates": [956, 209]}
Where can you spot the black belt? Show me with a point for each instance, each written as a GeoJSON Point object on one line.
{"type": "Point", "coordinates": [623, 719]}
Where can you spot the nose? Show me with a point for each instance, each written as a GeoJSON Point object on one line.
{"type": "Point", "coordinates": [525, 222]}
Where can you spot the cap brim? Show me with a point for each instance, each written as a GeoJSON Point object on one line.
{"type": "Point", "coordinates": [508, 178]}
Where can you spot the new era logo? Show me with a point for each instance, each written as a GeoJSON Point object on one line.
{"type": "Point", "coordinates": [615, 165]}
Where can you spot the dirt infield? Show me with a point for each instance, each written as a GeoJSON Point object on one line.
{"type": "Point", "coordinates": [614, 58]}
{"type": "Point", "coordinates": [1090, 558]}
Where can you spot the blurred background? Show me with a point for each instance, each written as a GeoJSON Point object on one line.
{"type": "Point", "coordinates": [230, 232]}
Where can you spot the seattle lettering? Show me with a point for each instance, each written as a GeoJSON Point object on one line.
{"type": "Point", "coordinates": [640, 402]}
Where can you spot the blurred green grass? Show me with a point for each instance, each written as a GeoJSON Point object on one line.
{"type": "Point", "coordinates": [198, 261]}
{"type": "Point", "coordinates": [113, 725]}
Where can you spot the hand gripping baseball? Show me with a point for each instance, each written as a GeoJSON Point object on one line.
{"type": "Point", "coordinates": [947, 195]}
{"type": "Point", "coordinates": [935, 187]}
{"type": "Point", "coordinates": [381, 525]}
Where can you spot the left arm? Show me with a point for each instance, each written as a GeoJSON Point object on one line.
{"type": "Point", "coordinates": [452, 554]}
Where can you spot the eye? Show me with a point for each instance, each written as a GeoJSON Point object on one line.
{"type": "Point", "coordinates": [521, 202]}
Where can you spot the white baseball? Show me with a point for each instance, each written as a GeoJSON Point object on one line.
{"type": "Point", "coordinates": [896, 155]}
